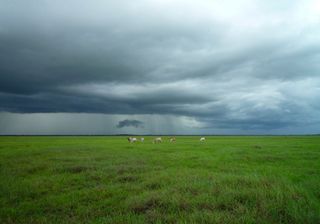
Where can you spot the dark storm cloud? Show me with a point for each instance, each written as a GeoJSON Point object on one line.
{"type": "Point", "coordinates": [245, 65]}
{"type": "Point", "coordinates": [130, 123]}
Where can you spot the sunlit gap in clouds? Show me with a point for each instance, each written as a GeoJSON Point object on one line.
{"type": "Point", "coordinates": [95, 124]}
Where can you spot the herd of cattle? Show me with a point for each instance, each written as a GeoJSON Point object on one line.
{"type": "Point", "coordinates": [157, 139]}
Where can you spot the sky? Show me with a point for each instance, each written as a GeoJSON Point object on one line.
{"type": "Point", "coordinates": [159, 67]}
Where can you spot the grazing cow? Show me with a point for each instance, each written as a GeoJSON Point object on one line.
{"type": "Point", "coordinates": [202, 139]}
{"type": "Point", "coordinates": [172, 139]}
{"type": "Point", "coordinates": [157, 140]}
{"type": "Point", "coordinates": [142, 139]}
{"type": "Point", "coordinates": [131, 139]}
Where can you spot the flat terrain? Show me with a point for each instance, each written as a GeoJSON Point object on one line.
{"type": "Point", "coordinates": [107, 180]}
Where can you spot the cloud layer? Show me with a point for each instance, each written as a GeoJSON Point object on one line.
{"type": "Point", "coordinates": [249, 65]}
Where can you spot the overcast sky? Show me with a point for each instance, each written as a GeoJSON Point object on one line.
{"type": "Point", "coordinates": [159, 67]}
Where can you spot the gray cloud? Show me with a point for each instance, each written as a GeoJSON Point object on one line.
{"type": "Point", "coordinates": [130, 123]}
{"type": "Point", "coordinates": [245, 65]}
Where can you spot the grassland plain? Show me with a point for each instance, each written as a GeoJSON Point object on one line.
{"type": "Point", "coordinates": [243, 179]}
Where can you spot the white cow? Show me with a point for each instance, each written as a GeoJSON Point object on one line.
{"type": "Point", "coordinates": [131, 139]}
{"type": "Point", "coordinates": [157, 140]}
{"type": "Point", "coordinates": [142, 139]}
{"type": "Point", "coordinates": [202, 139]}
{"type": "Point", "coordinates": [173, 139]}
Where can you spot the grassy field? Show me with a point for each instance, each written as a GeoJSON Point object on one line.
{"type": "Point", "coordinates": [107, 180]}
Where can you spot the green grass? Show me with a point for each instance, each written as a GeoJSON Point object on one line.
{"type": "Point", "coordinates": [107, 180]}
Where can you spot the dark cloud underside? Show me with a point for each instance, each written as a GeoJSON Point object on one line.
{"type": "Point", "coordinates": [130, 123]}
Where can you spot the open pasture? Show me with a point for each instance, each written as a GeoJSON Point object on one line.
{"type": "Point", "coordinates": [242, 179]}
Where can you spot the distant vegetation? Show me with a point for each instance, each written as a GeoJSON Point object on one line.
{"type": "Point", "coordinates": [108, 180]}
